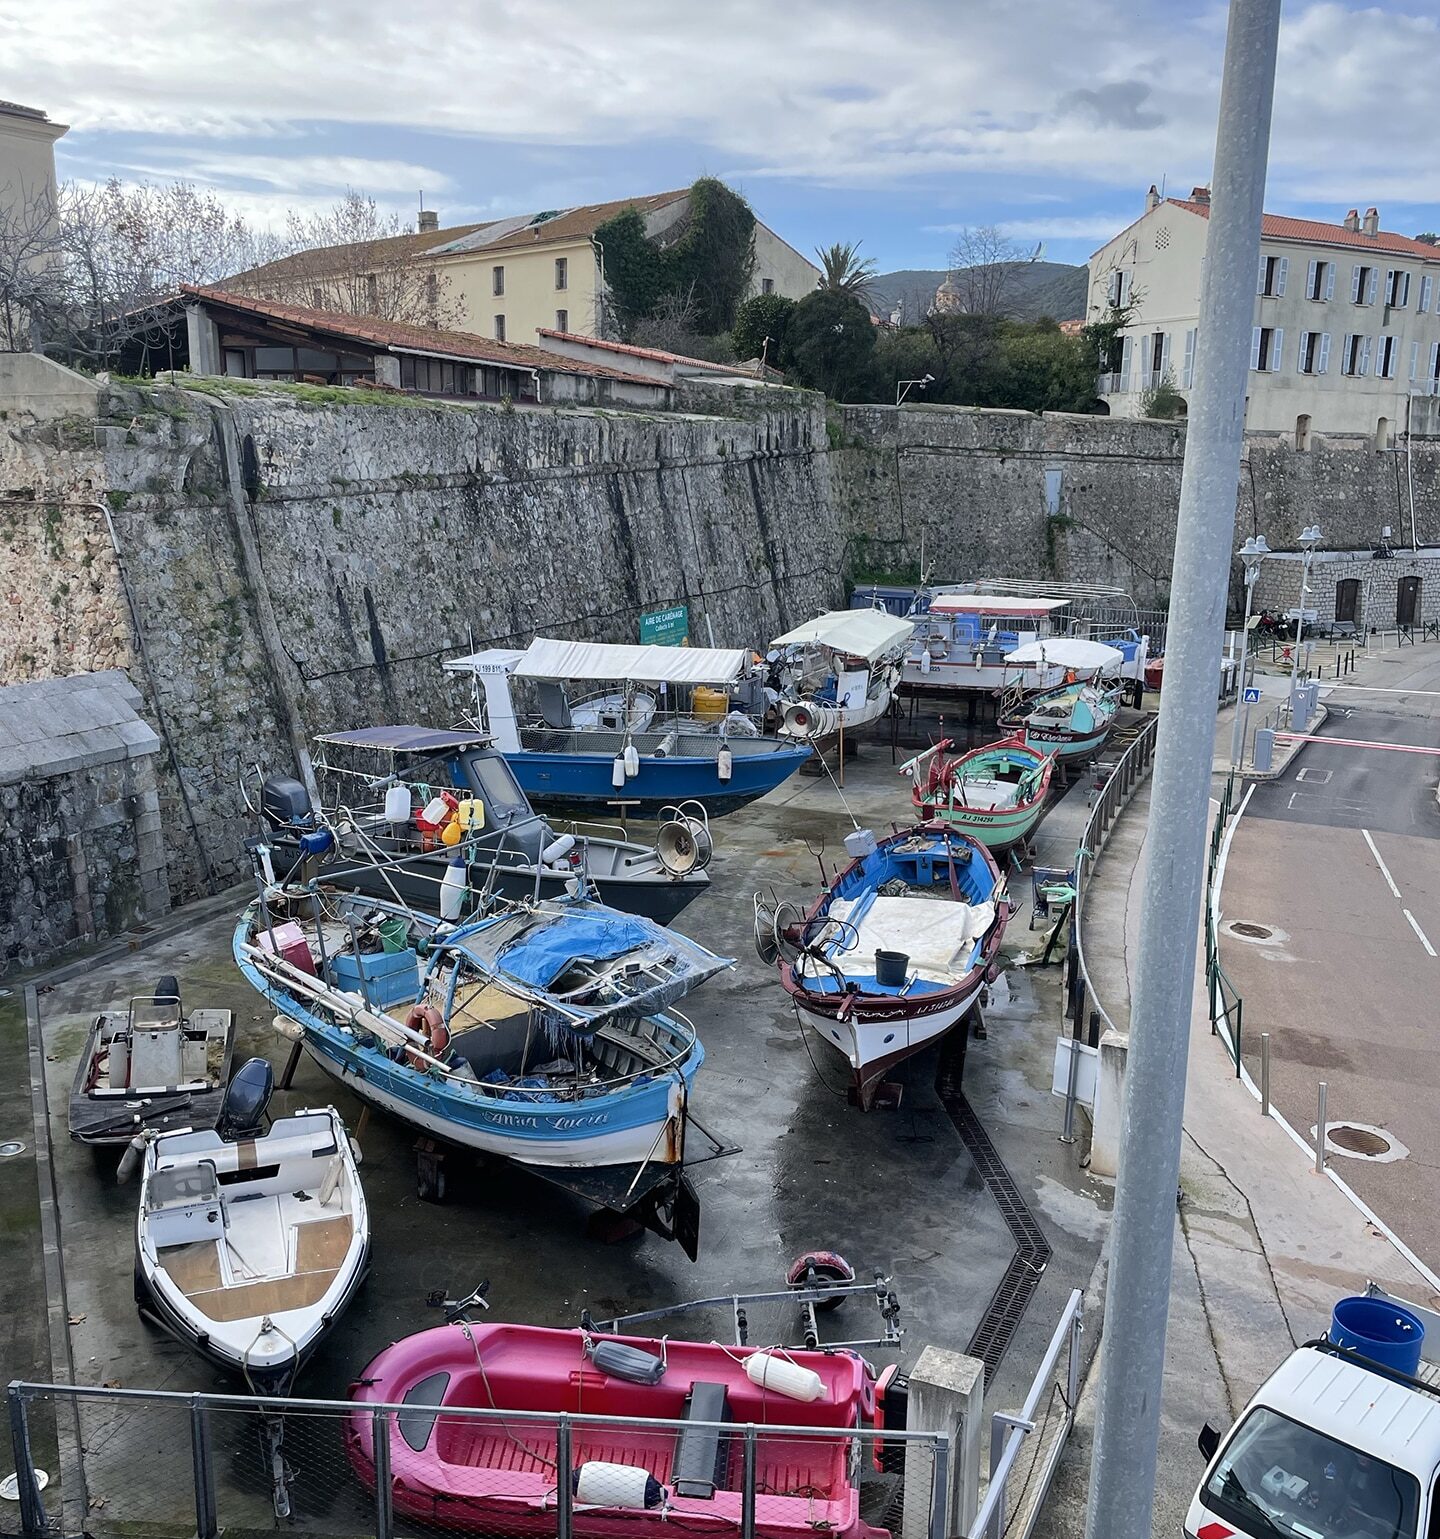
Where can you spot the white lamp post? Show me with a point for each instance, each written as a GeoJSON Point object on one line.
{"type": "Point", "coordinates": [1252, 553]}
{"type": "Point", "coordinates": [902, 388]}
{"type": "Point", "coordinates": [1309, 539]}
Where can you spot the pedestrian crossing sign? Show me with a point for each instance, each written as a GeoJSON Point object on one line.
{"type": "Point", "coordinates": [1252, 695]}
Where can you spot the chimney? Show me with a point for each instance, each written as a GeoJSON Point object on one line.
{"type": "Point", "coordinates": [1372, 221]}
{"type": "Point", "coordinates": [429, 220]}
{"type": "Point", "coordinates": [1152, 198]}
{"type": "Point", "coordinates": [1200, 195]}
{"type": "Point", "coordinates": [1352, 220]}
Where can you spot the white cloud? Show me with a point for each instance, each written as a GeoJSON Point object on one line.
{"type": "Point", "coordinates": [1104, 94]}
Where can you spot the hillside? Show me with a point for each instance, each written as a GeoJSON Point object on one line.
{"type": "Point", "coordinates": [1040, 288]}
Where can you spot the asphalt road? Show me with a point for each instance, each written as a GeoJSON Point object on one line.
{"type": "Point", "coordinates": [1336, 865]}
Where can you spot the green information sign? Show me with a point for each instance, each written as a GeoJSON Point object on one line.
{"type": "Point", "coordinates": [665, 627]}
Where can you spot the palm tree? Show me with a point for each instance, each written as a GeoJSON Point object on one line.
{"type": "Point", "coordinates": [844, 271]}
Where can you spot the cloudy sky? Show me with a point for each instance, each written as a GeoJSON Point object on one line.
{"type": "Point", "coordinates": [891, 123]}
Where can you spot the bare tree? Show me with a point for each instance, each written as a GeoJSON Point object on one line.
{"type": "Point", "coordinates": [673, 327]}
{"type": "Point", "coordinates": [983, 264]}
{"type": "Point", "coordinates": [31, 281]}
{"type": "Point", "coordinates": [355, 258]}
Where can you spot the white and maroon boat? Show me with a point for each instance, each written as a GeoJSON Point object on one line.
{"type": "Point", "coordinates": [894, 951]}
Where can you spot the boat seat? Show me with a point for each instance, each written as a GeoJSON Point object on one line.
{"type": "Point", "coordinates": [554, 707]}
{"type": "Point", "coordinates": [702, 1453]}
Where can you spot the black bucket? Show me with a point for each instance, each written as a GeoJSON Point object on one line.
{"type": "Point", "coordinates": [891, 969]}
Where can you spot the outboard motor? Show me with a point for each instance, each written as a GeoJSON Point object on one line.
{"type": "Point", "coordinates": [242, 1111]}
{"type": "Point", "coordinates": [286, 803]}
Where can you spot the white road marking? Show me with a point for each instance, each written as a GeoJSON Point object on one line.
{"type": "Point", "coordinates": [1377, 689]}
{"type": "Point", "coordinates": [1418, 931]}
{"type": "Point", "coordinates": [1390, 882]}
{"type": "Point", "coordinates": [1384, 869]}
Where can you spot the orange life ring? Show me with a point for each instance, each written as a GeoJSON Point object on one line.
{"type": "Point", "coordinates": [428, 1021]}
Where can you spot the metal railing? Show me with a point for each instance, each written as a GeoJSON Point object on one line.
{"type": "Point", "coordinates": [182, 1466]}
{"type": "Point", "coordinates": [1227, 1009]}
{"type": "Point", "coordinates": [1130, 769]}
{"type": "Point", "coordinates": [1036, 1418]}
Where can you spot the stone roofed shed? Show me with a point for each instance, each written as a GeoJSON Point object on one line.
{"type": "Point", "coordinates": [239, 336]}
{"type": "Point", "coordinates": [81, 853]}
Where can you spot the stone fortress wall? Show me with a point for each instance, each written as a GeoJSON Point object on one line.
{"type": "Point", "coordinates": [267, 566]}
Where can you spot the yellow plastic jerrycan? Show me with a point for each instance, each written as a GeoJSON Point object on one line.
{"type": "Point", "coordinates": [470, 814]}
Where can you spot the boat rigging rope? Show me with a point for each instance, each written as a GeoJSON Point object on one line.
{"type": "Point", "coordinates": [532, 1453]}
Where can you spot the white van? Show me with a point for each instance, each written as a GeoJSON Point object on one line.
{"type": "Point", "coordinates": [1329, 1447]}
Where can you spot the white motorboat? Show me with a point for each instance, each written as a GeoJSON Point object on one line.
{"type": "Point", "coordinates": [248, 1249]}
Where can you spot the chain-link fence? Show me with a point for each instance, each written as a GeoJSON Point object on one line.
{"type": "Point", "coordinates": [196, 1465]}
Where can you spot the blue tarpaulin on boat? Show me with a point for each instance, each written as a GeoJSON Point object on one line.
{"type": "Point", "coordinates": [540, 956]}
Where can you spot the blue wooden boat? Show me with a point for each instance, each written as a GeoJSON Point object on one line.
{"type": "Point", "coordinates": [661, 725]}
{"type": "Point", "coordinates": [544, 1034]}
{"type": "Point", "coordinates": [894, 951]}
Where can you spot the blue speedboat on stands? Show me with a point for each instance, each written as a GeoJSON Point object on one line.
{"type": "Point", "coordinates": [647, 726]}
{"type": "Point", "coordinates": [544, 1034]}
{"type": "Point", "coordinates": [894, 951]}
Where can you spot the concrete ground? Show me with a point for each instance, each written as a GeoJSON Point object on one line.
{"type": "Point", "coordinates": [891, 1189]}
{"type": "Point", "coordinates": [1263, 1245]}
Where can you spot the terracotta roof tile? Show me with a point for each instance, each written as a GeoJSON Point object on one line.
{"type": "Point", "coordinates": [567, 224]}
{"type": "Point", "coordinates": [655, 354]}
{"type": "Point", "coordinates": [399, 336]}
{"type": "Point", "coordinates": [1318, 232]}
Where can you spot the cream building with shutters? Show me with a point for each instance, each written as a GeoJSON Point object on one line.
{"type": "Point", "coordinates": [1346, 338]}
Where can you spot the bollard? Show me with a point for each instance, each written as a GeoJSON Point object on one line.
{"type": "Point", "coordinates": [1264, 753]}
{"type": "Point", "coordinates": [1264, 1073]}
{"type": "Point", "coordinates": [1320, 1133]}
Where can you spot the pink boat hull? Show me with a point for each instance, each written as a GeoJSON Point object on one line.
{"type": "Point", "coordinates": [474, 1474]}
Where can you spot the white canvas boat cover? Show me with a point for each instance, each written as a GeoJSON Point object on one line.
{"type": "Point", "coordinates": [1011, 604]}
{"type": "Point", "coordinates": [1066, 652]}
{"type": "Point", "coordinates": [867, 633]}
{"type": "Point", "coordinates": [546, 658]}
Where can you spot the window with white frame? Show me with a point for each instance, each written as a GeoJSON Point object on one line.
{"type": "Point", "coordinates": [1356, 359]}
{"type": "Point", "coordinates": [497, 281]}
{"type": "Point", "coordinates": [1363, 282]}
{"type": "Point", "coordinates": [562, 272]}
{"type": "Point", "coordinates": [1387, 357]}
{"type": "Point", "coordinates": [562, 320]}
{"type": "Point", "coordinates": [1274, 271]}
{"type": "Point", "coordinates": [1397, 288]}
{"type": "Point", "coordinates": [1266, 345]}
{"type": "Point", "coordinates": [1320, 280]}
{"type": "Point", "coordinates": [1187, 372]}
{"type": "Point", "coordinates": [1314, 353]}
{"type": "Point", "coordinates": [1118, 288]}
{"type": "Point", "coordinates": [1427, 288]}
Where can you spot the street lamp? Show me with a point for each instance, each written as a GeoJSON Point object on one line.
{"type": "Point", "coordinates": [902, 387]}
{"type": "Point", "coordinates": [1309, 539]}
{"type": "Point", "coordinates": [1252, 553]}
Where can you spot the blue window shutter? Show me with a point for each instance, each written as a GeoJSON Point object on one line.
{"type": "Point", "coordinates": [1187, 377]}
{"type": "Point", "coordinates": [1329, 280]}
{"type": "Point", "coordinates": [1372, 286]}
{"type": "Point", "coordinates": [1323, 364]}
{"type": "Point", "coordinates": [1281, 275]}
{"type": "Point", "coordinates": [1355, 285]}
{"type": "Point", "coordinates": [1277, 347]}
{"type": "Point", "coordinates": [1255, 347]}
{"type": "Point", "coordinates": [1310, 279]}
{"type": "Point", "coordinates": [1414, 361]}
{"type": "Point", "coordinates": [1260, 282]}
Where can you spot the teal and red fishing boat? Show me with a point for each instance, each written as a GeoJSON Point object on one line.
{"type": "Point", "coordinates": [996, 794]}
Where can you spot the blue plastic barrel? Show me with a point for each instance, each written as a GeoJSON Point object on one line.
{"type": "Point", "coordinates": [1385, 1333]}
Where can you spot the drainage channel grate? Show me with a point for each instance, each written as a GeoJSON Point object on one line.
{"type": "Point", "coordinates": [1021, 1277]}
